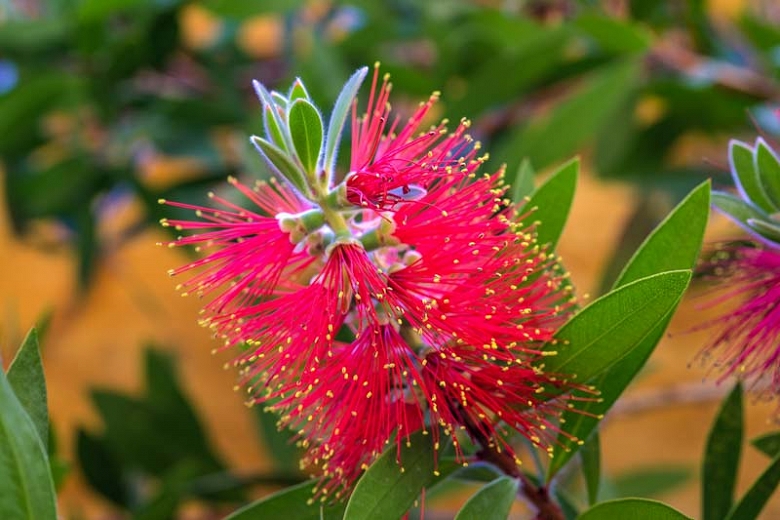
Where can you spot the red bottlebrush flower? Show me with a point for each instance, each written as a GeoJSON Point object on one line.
{"type": "Point", "coordinates": [406, 297]}
{"type": "Point", "coordinates": [747, 342]}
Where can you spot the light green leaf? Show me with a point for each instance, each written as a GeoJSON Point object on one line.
{"type": "Point", "coordinates": [29, 383]}
{"type": "Point", "coordinates": [551, 203]}
{"type": "Point", "coordinates": [674, 244]}
{"type": "Point", "coordinates": [25, 477]}
{"type": "Point", "coordinates": [298, 91]}
{"type": "Point", "coordinates": [633, 508]}
{"type": "Point", "coordinates": [751, 504]}
{"type": "Point", "coordinates": [339, 116]}
{"type": "Point", "coordinates": [611, 327]}
{"type": "Point", "coordinates": [291, 503]}
{"type": "Point", "coordinates": [523, 184]}
{"type": "Point", "coordinates": [268, 102]}
{"type": "Point", "coordinates": [279, 161]}
{"type": "Point", "coordinates": [721, 458]}
{"type": "Point", "coordinates": [272, 130]}
{"type": "Point", "coordinates": [767, 165]}
{"type": "Point", "coordinates": [743, 213]}
{"type": "Point", "coordinates": [767, 230]}
{"type": "Point", "coordinates": [768, 444]}
{"type": "Point", "coordinates": [745, 174]}
{"type": "Point", "coordinates": [305, 125]}
{"type": "Point", "coordinates": [649, 482]}
{"type": "Point", "coordinates": [492, 502]}
{"type": "Point", "coordinates": [386, 490]}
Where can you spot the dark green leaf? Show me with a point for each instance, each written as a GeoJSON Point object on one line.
{"type": "Point", "coordinates": [291, 503]}
{"type": "Point", "coordinates": [611, 327]}
{"type": "Point", "coordinates": [633, 508]}
{"type": "Point", "coordinates": [613, 34]}
{"type": "Point", "coordinates": [767, 165]}
{"type": "Point", "coordinates": [305, 125]}
{"type": "Point", "coordinates": [339, 116]}
{"type": "Point", "coordinates": [590, 454]}
{"type": "Point", "coordinates": [25, 478]}
{"type": "Point", "coordinates": [492, 502]}
{"type": "Point", "coordinates": [721, 458]}
{"type": "Point", "coordinates": [743, 169]}
{"type": "Point", "coordinates": [523, 184]}
{"type": "Point", "coordinates": [768, 444]}
{"type": "Point", "coordinates": [751, 504]}
{"type": "Point", "coordinates": [285, 454]}
{"type": "Point", "coordinates": [29, 384]}
{"type": "Point", "coordinates": [101, 469]}
{"type": "Point", "coordinates": [387, 490]}
{"type": "Point", "coordinates": [551, 203]}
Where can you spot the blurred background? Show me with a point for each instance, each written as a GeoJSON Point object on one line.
{"type": "Point", "coordinates": [108, 105]}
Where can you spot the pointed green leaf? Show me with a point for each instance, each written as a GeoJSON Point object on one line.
{"type": "Point", "coordinates": [721, 458]}
{"type": "Point", "coordinates": [268, 102]}
{"type": "Point", "coordinates": [745, 174]}
{"type": "Point", "coordinates": [305, 125]}
{"type": "Point", "coordinates": [492, 502]}
{"type": "Point", "coordinates": [272, 130]}
{"type": "Point", "coordinates": [768, 444]}
{"type": "Point", "coordinates": [674, 244]}
{"type": "Point", "coordinates": [751, 504]}
{"type": "Point", "coordinates": [298, 91]}
{"type": "Point", "coordinates": [650, 482]}
{"type": "Point", "coordinates": [738, 210]}
{"type": "Point", "coordinates": [280, 162]}
{"type": "Point", "coordinates": [291, 503]}
{"type": "Point", "coordinates": [27, 379]}
{"type": "Point", "coordinates": [611, 327]}
{"type": "Point", "coordinates": [590, 454]}
{"type": "Point", "coordinates": [26, 487]}
{"type": "Point", "coordinates": [387, 490]}
{"type": "Point", "coordinates": [551, 203]}
{"type": "Point", "coordinates": [676, 241]}
{"type": "Point", "coordinates": [339, 116]}
{"type": "Point", "coordinates": [767, 165]}
{"type": "Point", "coordinates": [523, 185]}
{"type": "Point", "coordinates": [633, 508]}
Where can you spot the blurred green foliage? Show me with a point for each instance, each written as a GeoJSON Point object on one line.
{"type": "Point", "coordinates": [93, 93]}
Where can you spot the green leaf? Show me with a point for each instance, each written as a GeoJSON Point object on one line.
{"type": "Point", "coordinates": [611, 327]}
{"type": "Point", "coordinates": [739, 210]}
{"type": "Point", "coordinates": [590, 454]}
{"type": "Point", "coordinates": [649, 482]}
{"type": "Point", "coordinates": [633, 508]}
{"type": "Point", "coordinates": [280, 162]}
{"type": "Point", "coordinates": [305, 125]}
{"type": "Point", "coordinates": [613, 34]}
{"type": "Point", "coordinates": [767, 165]}
{"type": "Point", "coordinates": [551, 203]}
{"type": "Point", "coordinates": [387, 490]}
{"type": "Point", "coordinates": [751, 504]}
{"type": "Point", "coordinates": [285, 454]}
{"type": "Point", "coordinates": [298, 91]}
{"type": "Point", "coordinates": [339, 116]}
{"type": "Point", "coordinates": [767, 230]}
{"type": "Point", "coordinates": [101, 469]}
{"type": "Point", "coordinates": [29, 384]}
{"type": "Point", "coordinates": [523, 184]}
{"type": "Point", "coordinates": [492, 502]}
{"type": "Point", "coordinates": [674, 244]}
{"type": "Point", "coordinates": [291, 503]}
{"type": "Point", "coordinates": [25, 477]}
{"type": "Point", "coordinates": [277, 122]}
{"type": "Point", "coordinates": [721, 458]}
{"type": "Point", "coordinates": [768, 444]}
{"type": "Point", "coordinates": [745, 174]}
{"type": "Point", "coordinates": [575, 120]}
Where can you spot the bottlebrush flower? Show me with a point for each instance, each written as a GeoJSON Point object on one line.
{"type": "Point", "coordinates": [403, 295]}
{"type": "Point", "coordinates": [746, 344]}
